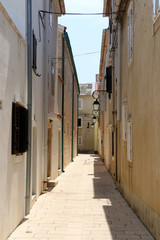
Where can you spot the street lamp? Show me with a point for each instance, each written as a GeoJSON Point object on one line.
{"type": "Point", "coordinates": [92, 125]}
{"type": "Point", "coordinates": [94, 119]}
{"type": "Point", "coordinates": [96, 105]}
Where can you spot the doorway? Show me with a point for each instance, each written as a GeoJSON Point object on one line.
{"type": "Point", "coordinates": [59, 150]}
{"type": "Point", "coordinates": [34, 162]}
{"type": "Point", "coordinates": [49, 149]}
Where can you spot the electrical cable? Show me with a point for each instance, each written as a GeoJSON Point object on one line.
{"type": "Point", "coordinates": [77, 14]}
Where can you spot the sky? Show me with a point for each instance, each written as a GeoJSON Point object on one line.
{"type": "Point", "coordinates": [85, 33]}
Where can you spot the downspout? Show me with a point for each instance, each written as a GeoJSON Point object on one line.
{"type": "Point", "coordinates": [63, 104]}
{"type": "Point", "coordinates": [77, 119]}
{"type": "Point", "coordinates": [72, 116]}
{"type": "Point", "coordinates": [119, 72]}
{"type": "Point", "coordinates": [29, 72]}
{"type": "Point", "coordinates": [46, 103]}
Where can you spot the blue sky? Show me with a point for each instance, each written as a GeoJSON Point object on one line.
{"type": "Point", "coordinates": [85, 33]}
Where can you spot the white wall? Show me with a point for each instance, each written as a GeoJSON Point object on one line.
{"type": "Point", "coordinates": [16, 11]}
{"type": "Point", "coordinates": [13, 87]}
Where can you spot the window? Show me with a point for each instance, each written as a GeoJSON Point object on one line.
{"type": "Point", "coordinates": [80, 102]}
{"type": "Point", "coordinates": [80, 122]}
{"type": "Point", "coordinates": [130, 32]}
{"type": "Point", "coordinates": [124, 119]}
{"type": "Point", "coordinates": [80, 141]}
{"type": "Point", "coordinates": [156, 7]}
{"type": "Point", "coordinates": [19, 129]}
{"type": "Point", "coordinates": [109, 80]}
{"type": "Point", "coordinates": [34, 60]}
{"type": "Point", "coordinates": [112, 144]}
{"type": "Point", "coordinates": [129, 140]}
{"type": "Point", "coordinates": [52, 78]}
{"type": "Point", "coordinates": [50, 15]}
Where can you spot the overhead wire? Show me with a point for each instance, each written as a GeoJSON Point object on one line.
{"type": "Point", "coordinates": [77, 13]}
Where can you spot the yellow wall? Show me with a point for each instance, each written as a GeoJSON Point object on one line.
{"type": "Point", "coordinates": [87, 134]}
{"type": "Point", "coordinates": [140, 82]}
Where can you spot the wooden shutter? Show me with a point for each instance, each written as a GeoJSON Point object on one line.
{"type": "Point", "coordinates": [23, 145]}
{"type": "Point", "coordinates": [34, 62]}
{"type": "Point", "coordinates": [109, 80]}
{"type": "Point", "coordinates": [15, 128]}
{"type": "Point", "coordinates": [19, 129]}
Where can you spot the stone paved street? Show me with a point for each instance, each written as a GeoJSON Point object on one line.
{"type": "Point", "coordinates": [85, 205]}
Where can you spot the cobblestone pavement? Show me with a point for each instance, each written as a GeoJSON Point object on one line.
{"type": "Point", "coordinates": [85, 205]}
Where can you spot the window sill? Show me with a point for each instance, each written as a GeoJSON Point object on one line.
{"type": "Point", "coordinates": [156, 22]}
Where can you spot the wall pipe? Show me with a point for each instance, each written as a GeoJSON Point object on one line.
{"type": "Point", "coordinates": [63, 103]}
{"type": "Point", "coordinates": [72, 117]}
{"type": "Point", "coordinates": [46, 101]}
{"type": "Point", "coordinates": [29, 76]}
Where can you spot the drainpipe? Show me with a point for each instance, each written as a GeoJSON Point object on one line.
{"type": "Point", "coordinates": [119, 72]}
{"type": "Point", "coordinates": [46, 102]}
{"type": "Point", "coordinates": [72, 116]}
{"type": "Point", "coordinates": [77, 120]}
{"type": "Point", "coordinates": [29, 72]}
{"type": "Point", "coordinates": [63, 104]}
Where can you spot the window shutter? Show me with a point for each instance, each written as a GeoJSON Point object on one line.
{"type": "Point", "coordinates": [19, 129]}
{"type": "Point", "coordinates": [79, 122]}
{"type": "Point", "coordinates": [34, 63]}
{"type": "Point", "coordinates": [109, 80]}
{"type": "Point", "coordinates": [112, 144]}
{"type": "Point", "coordinates": [15, 128]}
{"type": "Point", "coordinates": [23, 146]}
{"type": "Point", "coordinates": [129, 140]}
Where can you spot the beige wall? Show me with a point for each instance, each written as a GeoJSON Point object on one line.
{"type": "Point", "coordinates": [68, 99]}
{"type": "Point", "coordinates": [68, 78]}
{"type": "Point", "coordinates": [140, 182]}
{"type": "Point", "coordinates": [87, 134]}
{"type": "Point", "coordinates": [75, 123]}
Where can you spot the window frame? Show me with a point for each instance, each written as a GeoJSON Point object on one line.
{"type": "Point", "coordinates": [80, 107]}
{"type": "Point", "coordinates": [130, 33]}
{"type": "Point", "coordinates": [129, 140]}
{"type": "Point", "coordinates": [52, 79]}
{"type": "Point", "coordinates": [19, 140]}
{"type": "Point", "coordinates": [124, 121]}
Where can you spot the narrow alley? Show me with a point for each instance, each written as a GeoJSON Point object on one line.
{"type": "Point", "coordinates": [84, 205]}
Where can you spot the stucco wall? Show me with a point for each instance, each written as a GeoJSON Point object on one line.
{"type": "Point", "coordinates": [18, 17]}
{"type": "Point", "coordinates": [87, 134]}
{"type": "Point", "coordinates": [68, 82]}
{"type": "Point", "coordinates": [12, 88]}
{"type": "Point", "coordinates": [140, 182]}
{"type": "Point", "coordinates": [75, 122]}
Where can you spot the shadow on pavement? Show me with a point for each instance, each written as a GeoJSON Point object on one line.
{"type": "Point", "coordinates": [121, 220]}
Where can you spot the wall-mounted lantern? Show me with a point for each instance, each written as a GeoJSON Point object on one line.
{"type": "Point", "coordinates": [96, 105]}
{"type": "Point", "coordinates": [94, 119]}
{"type": "Point", "coordinates": [92, 125]}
